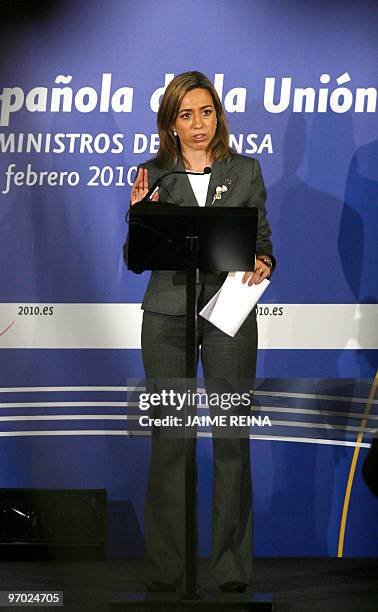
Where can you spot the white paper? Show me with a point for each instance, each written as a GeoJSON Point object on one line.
{"type": "Point", "coordinates": [231, 305]}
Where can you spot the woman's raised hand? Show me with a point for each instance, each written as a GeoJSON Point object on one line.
{"type": "Point", "coordinates": [140, 188]}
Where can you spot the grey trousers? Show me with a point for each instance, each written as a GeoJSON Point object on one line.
{"type": "Point", "coordinates": [223, 359]}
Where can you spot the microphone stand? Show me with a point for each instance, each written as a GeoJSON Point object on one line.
{"type": "Point", "coordinates": [159, 181]}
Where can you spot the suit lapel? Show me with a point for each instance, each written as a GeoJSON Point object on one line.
{"type": "Point", "coordinates": [223, 173]}
{"type": "Point", "coordinates": [179, 189]}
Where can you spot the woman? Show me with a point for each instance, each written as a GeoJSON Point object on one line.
{"type": "Point", "coordinates": [193, 135]}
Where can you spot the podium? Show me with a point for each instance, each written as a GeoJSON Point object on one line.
{"type": "Point", "coordinates": [167, 237]}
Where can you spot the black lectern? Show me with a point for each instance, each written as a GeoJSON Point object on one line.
{"type": "Point", "coordinates": [169, 237]}
{"type": "Point", "coordinates": [162, 237]}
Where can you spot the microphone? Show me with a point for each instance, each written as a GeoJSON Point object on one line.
{"type": "Point", "coordinates": [159, 181]}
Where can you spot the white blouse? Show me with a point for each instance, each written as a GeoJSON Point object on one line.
{"type": "Point", "coordinates": [200, 186]}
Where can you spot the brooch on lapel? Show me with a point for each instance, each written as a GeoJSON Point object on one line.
{"type": "Point", "coordinates": [218, 193]}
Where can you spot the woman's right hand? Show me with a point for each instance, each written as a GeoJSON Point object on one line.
{"type": "Point", "coordinates": [140, 188]}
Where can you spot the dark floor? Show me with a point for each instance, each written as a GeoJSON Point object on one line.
{"type": "Point", "coordinates": [300, 585]}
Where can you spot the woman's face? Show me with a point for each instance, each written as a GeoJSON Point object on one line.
{"type": "Point", "coordinates": [196, 121]}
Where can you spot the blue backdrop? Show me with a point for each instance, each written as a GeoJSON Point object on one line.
{"type": "Point", "coordinates": [79, 88]}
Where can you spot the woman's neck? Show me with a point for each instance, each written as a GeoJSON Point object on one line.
{"type": "Point", "coordinates": [196, 161]}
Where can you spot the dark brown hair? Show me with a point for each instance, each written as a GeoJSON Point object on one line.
{"type": "Point", "coordinates": [169, 152]}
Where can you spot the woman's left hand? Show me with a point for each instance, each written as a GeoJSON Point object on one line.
{"type": "Point", "coordinates": [257, 275]}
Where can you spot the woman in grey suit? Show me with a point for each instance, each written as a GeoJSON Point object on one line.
{"type": "Point", "coordinates": [193, 135]}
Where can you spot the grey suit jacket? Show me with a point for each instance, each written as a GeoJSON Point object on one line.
{"type": "Point", "coordinates": [165, 293]}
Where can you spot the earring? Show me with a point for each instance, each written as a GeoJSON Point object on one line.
{"type": "Point", "coordinates": [174, 133]}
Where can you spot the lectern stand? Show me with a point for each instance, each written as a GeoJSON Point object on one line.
{"type": "Point", "coordinates": [192, 239]}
